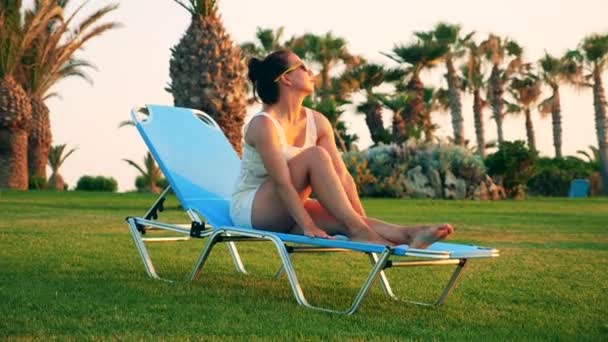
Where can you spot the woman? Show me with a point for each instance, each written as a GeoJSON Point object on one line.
{"type": "Point", "coordinates": [289, 152]}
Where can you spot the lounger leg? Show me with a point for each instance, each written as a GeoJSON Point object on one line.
{"type": "Point", "coordinates": [451, 283]}
{"type": "Point", "coordinates": [297, 289]}
{"type": "Point", "coordinates": [448, 288]}
{"type": "Point", "coordinates": [386, 286]}
{"type": "Point", "coordinates": [141, 248]}
{"type": "Point", "coordinates": [200, 262]}
{"type": "Point", "coordinates": [236, 258]}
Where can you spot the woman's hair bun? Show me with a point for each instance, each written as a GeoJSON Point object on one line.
{"type": "Point", "coordinates": [254, 69]}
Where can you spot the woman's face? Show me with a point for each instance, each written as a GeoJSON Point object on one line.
{"type": "Point", "coordinates": [300, 76]}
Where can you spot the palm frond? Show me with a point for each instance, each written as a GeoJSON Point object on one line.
{"type": "Point", "coordinates": [139, 168]}
{"type": "Point", "coordinates": [57, 156]}
{"type": "Point", "coordinates": [126, 123]}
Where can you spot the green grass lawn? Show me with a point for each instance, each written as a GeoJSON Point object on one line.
{"type": "Point", "coordinates": [69, 270]}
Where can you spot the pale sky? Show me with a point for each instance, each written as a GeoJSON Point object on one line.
{"type": "Point", "coordinates": [133, 64]}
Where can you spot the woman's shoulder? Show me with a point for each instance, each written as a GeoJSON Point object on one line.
{"type": "Point", "coordinates": [260, 124]}
{"type": "Point", "coordinates": [321, 120]}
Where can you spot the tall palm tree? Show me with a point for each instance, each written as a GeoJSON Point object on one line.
{"type": "Point", "coordinates": [365, 78]}
{"type": "Point", "coordinates": [495, 50]}
{"type": "Point", "coordinates": [397, 103]}
{"type": "Point", "coordinates": [418, 56]}
{"type": "Point", "coordinates": [17, 34]}
{"type": "Point", "coordinates": [473, 80]}
{"type": "Point", "coordinates": [554, 72]}
{"type": "Point", "coordinates": [49, 60]}
{"type": "Point", "coordinates": [150, 172]}
{"type": "Point", "coordinates": [594, 50]}
{"type": "Point", "coordinates": [434, 100]}
{"type": "Point", "coordinates": [449, 36]}
{"type": "Point", "coordinates": [526, 90]}
{"type": "Point", "coordinates": [268, 40]}
{"type": "Point", "coordinates": [208, 71]}
{"type": "Point", "coordinates": [57, 156]}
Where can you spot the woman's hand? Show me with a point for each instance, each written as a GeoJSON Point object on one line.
{"type": "Point", "coordinates": [313, 231]}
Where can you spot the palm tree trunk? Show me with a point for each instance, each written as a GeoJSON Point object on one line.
{"type": "Point", "coordinates": [340, 140]}
{"type": "Point", "coordinates": [39, 139]}
{"type": "Point", "coordinates": [556, 118]}
{"type": "Point", "coordinates": [56, 182]}
{"type": "Point", "coordinates": [496, 100]}
{"type": "Point", "coordinates": [530, 131]}
{"type": "Point", "coordinates": [325, 83]}
{"type": "Point", "coordinates": [429, 133]}
{"type": "Point", "coordinates": [13, 159]}
{"type": "Point", "coordinates": [479, 127]}
{"type": "Point", "coordinates": [601, 126]}
{"type": "Point", "coordinates": [455, 104]}
{"type": "Point", "coordinates": [399, 129]}
{"type": "Point", "coordinates": [375, 124]}
{"type": "Point", "coordinates": [413, 111]}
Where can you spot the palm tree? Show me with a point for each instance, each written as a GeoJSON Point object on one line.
{"type": "Point", "coordinates": [594, 50]}
{"type": "Point", "coordinates": [397, 103]}
{"type": "Point", "coordinates": [366, 77]}
{"type": "Point", "coordinates": [56, 159]}
{"type": "Point", "coordinates": [494, 49]}
{"type": "Point", "coordinates": [526, 89]}
{"type": "Point", "coordinates": [418, 56]}
{"type": "Point", "coordinates": [150, 172]}
{"type": "Point", "coordinates": [326, 51]}
{"type": "Point", "coordinates": [593, 157]}
{"type": "Point", "coordinates": [17, 34]}
{"type": "Point", "coordinates": [208, 71]}
{"type": "Point", "coordinates": [555, 71]}
{"type": "Point", "coordinates": [434, 100]}
{"type": "Point", "coordinates": [50, 60]}
{"type": "Point", "coordinates": [449, 36]}
{"type": "Point", "coordinates": [473, 81]}
{"type": "Point", "coordinates": [268, 40]}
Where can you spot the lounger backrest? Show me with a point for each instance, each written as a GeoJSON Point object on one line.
{"type": "Point", "coordinates": [196, 158]}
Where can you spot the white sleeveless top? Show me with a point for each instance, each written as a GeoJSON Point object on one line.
{"type": "Point", "coordinates": [253, 173]}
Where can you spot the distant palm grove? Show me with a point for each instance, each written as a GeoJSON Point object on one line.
{"type": "Point", "coordinates": [208, 72]}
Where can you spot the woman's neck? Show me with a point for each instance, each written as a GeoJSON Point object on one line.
{"type": "Point", "coordinates": [287, 108]}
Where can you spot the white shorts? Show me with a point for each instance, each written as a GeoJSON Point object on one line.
{"type": "Point", "coordinates": [241, 205]}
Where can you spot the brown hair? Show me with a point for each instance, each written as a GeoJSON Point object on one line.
{"type": "Point", "coordinates": [262, 74]}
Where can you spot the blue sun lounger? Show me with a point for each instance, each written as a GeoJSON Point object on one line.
{"type": "Point", "coordinates": [202, 167]}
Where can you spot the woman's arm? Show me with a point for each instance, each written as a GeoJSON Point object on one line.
{"type": "Point", "coordinates": [262, 135]}
{"type": "Point", "coordinates": [325, 139]}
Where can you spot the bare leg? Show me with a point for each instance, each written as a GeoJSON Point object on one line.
{"type": "Point", "coordinates": [312, 168]}
{"type": "Point", "coordinates": [415, 236]}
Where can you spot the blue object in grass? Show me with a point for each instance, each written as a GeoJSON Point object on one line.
{"type": "Point", "coordinates": [579, 188]}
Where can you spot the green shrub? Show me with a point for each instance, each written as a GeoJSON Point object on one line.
{"type": "Point", "coordinates": [445, 157]}
{"type": "Point", "coordinates": [388, 165]}
{"type": "Point", "coordinates": [97, 183]}
{"type": "Point", "coordinates": [37, 183]}
{"type": "Point", "coordinates": [514, 163]}
{"type": "Point", "coordinates": [140, 183]}
{"type": "Point", "coordinates": [382, 171]}
{"type": "Point", "coordinates": [553, 175]}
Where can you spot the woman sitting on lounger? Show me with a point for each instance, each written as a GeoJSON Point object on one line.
{"type": "Point", "coordinates": [288, 153]}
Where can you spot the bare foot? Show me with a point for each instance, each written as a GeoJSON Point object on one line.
{"type": "Point", "coordinates": [368, 235]}
{"type": "Point", "coordinates": [422, 237]}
